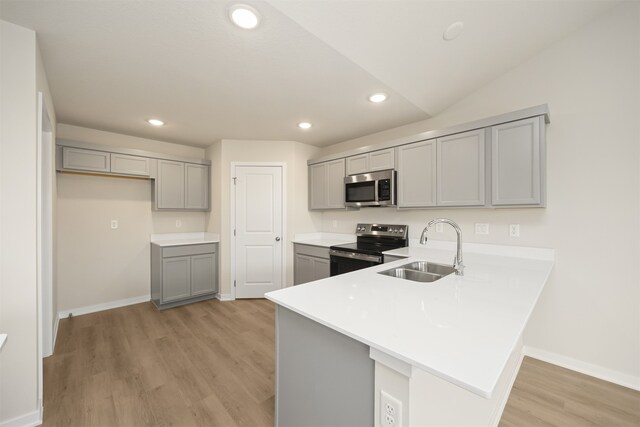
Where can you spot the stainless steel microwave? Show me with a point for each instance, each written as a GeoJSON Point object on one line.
{"type": "Point", "coordinates": [371, 189]}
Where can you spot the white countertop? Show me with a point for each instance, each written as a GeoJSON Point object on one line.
{"type": "Point", "coordinates": [183, 239]}
{"type": "Point", "coordinates": [460, 328]}
{"type": "Point", "coordinates": [324, 240]}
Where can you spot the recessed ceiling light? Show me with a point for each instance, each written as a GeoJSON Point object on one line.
{"type": "Point", "coordinates": [244, 16]}
{"type": "Point", "coordinates": [453, 31]}
{"type": "Point", "coordinates": [378, 97]}
{"type": "Point", "coordinates": [155, 122]}
{"type": "Point", "coordinates": [304, 125]}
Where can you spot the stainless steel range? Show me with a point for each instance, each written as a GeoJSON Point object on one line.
{"type": "Point", "coordinates": [372, 241]}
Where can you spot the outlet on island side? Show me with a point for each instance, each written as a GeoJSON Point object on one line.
{"type": "Point", "coordinates": [390, 410]}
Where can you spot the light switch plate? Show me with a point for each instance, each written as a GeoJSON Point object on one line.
{"type": "Point", "coordinates": [439, 227]}
{"type": "Point", "coordinates": [514, 230]}
{"type": "Point", "coordinates": [482, 228]}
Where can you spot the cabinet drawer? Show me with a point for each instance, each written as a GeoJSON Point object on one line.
{"type": "Point", "coordinates": [129, 165]}
{"type": "Point", "coordinates": [174, 251]}
{"type": "Point", "coordinates": [85, 160]}
{"type": "Point", "coordinates": [316, 251]}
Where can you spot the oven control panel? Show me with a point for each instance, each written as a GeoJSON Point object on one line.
{"type": "Point", "coordinates": [389, 230]}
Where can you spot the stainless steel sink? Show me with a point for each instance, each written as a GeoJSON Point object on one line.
{"type": "Point", "coordinates": [420, 271]}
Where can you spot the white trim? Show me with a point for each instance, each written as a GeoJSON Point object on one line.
{"type": "Point", "coordinates": [232, 219]}
{"type": "Point", "coordinates": [104, 306]}
{"type": "Point", "coordinates": [27, 420]}
{"type": "Point", "coordinates": [225, 297]}
{"type": "Point", "coordinates": [497, 415]}
{"type": "Point", "coordinates": [586, 368]}
{"type": "Point", "coordinates": [391, 362]}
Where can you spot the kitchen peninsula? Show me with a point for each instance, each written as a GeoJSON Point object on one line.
{"type": "Point", "coordinates": [447, 352]}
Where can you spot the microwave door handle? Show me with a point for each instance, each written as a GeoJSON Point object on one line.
{"type": "Point", "coordinates": [375, 190]}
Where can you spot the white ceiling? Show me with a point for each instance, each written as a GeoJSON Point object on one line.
{"type": "Point", "coordinates": [112, 64]}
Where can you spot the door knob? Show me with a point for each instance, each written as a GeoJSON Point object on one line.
{"type": "Point", "coordinates": [277, 239]}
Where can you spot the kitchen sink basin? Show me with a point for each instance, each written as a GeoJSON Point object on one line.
{"type": "Point", "coordinates": [419, 271]}
{"type": "Point", "coordinates": [430, 267]}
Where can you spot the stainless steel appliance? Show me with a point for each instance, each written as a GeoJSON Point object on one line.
{"type": "Point", "coordinates": [371, 189]}
{"type": "Point", "coordinates": [372, 241]}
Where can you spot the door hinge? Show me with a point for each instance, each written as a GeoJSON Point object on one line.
{"type": "Point", "coordinates": [234, 180]}
{"type": "Point", "coordinates": [234, 283]}
{"type": "Point", "coordinates": [234, 231]}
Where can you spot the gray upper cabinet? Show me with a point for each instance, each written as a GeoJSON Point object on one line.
{"type": "Point", "coordinates": [85, 160]}
{"type": "Point", "coordinates": [517, 163]}
{"type": "Point", "coordinates": [371, 162]}
{"type": "Point", "coordinates": [461, 169]}
{"type": "Point", "coordinates": [130, 165]}
{"type": "Point", "coordinates": [417, 174]}
{"type": "Point", "coordinates": [170, 187]}
{"type": "Point", "coordinates": [196, 186]}
{"type": "Point", "coordinates": [326, 185]}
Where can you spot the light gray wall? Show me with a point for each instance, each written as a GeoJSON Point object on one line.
{"type": "Point", "coordinates": [98, 265]}
{"type": "Point", "coordinates": [589, 313]}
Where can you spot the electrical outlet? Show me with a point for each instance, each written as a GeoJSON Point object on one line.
{"type": "Point", "coordinates": [439, 227]}
{"type": "Point", "coordinates": [390, 410]}
{"type": "Point", "coordinates": [178, 223]}
{"type": "Point", "coordinates": [114, 224]}
{"type": "Point", "coordinates": [482, 228]}
{"type": "Point", "coordinates": [514, 230]}
{"type": "Point", "coordinates": [334, 223]}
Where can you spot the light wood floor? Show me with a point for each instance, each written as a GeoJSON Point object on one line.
{"type": "Point", "coordinates": [212, 364]}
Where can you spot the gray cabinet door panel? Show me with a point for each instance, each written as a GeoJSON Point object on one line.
{"type": "Point", "coordinates": [358, 164]}
{"type": "Point", "coordinates": [197, 186]}
{"type": "Point", "coordinates": [170, 184]}
{"type": "Point", "coordinates": [176, 278]}
{"type": "Point", "coordinates": [317, 186]}
{"type": "Point", "coordinates": [129, 165]}
{"type": "Point", "coordinates": [303, 269]}
{"type": "Point", "coordinates": [382, 160]}
{"type": "Point", "coordinates": [85, 160]}
{"type": "Point", "coordinates": [335, 184]}
{"type": "Point", "coordinates": [321, 268]}
{"type": "Point", "coordinates": [516, 163]}
{"type": "Point", "coordinates": [417, 174]}
{"type": "Point", "coordinates": [203, 274]}
{"type": "Point", "coordinates": [461, 173]}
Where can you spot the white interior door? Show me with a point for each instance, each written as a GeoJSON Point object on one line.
{"type": "Point", "coordinates": [258, 230]}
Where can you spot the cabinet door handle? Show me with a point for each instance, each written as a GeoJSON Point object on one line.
{"type": "Point", "coordinates": [278, 239]}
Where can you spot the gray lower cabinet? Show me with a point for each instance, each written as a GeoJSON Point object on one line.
{"type": "Point", "coordinates": [326, 185]}
{"type": "Point", "coordinates": [461, 169]}
{"type": "Point", "coordinates": [310, 263]}
{"type": "Point", "coordinates": [183, 274]}
{"type": "Point", "coordinates": [517, 163]}
{"type": "Point", "coordinates": [417, 174]}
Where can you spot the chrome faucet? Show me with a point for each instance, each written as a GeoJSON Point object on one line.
{"type": "Point", "coordinates": [457, 262]}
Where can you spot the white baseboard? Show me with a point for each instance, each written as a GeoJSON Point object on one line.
{"type": "Point", "coordinates": [105, 306]}
{"type": "Point", "coordinates": [225, 297]}
{"type": "Point", "coordinates": [596, 371]}
{"type": "Point", "coordinates": [31, 419]}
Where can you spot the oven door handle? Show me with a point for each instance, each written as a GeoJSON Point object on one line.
{"type": "Point", "coordinates": [353, 255]}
